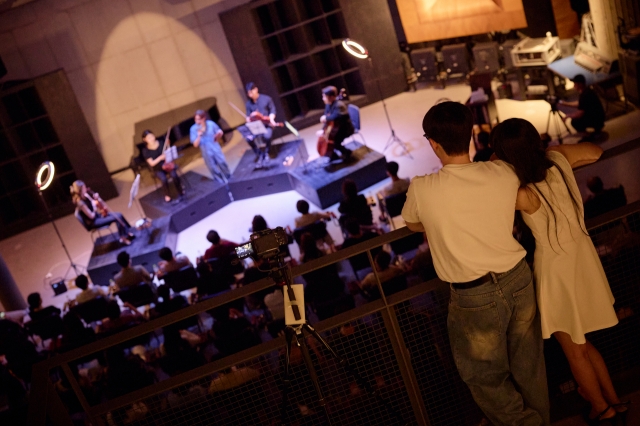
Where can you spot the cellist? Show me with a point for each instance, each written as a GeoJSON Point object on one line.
{"type": "Point", "coordinates": [336, 112]}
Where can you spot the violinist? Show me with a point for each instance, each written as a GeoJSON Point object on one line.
{"type": "Point", "coordinates": [259, 104]}
{"type": "Point", "coordinates": [95, 213]}
{"type": "Point", "coordinates": [153, 153]}
{"type": "Point", "coordinates": [336, 112]}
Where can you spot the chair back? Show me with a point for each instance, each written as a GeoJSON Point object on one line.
{"type": "Point", "coordinates": [92, 310]}
{"type": "Point", "coordinates": [317, 229]}
{"type": "Point", "coordinates": [45, 328]}
{"type": "Point", "coordinates": [354, 114]}
{"type": "Point", "coordinates": [78, 216]}
{"type": "Point", "coordinates": [184, 278]}
{"type": "Point", "coordinates": [138, 295]}
{"type": "Point", "coordinates": [394, 204]}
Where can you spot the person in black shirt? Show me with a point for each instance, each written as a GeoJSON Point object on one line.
{"type": "Point", "coordinates": [153, 153]}
{"type": "Point", "coordinates": [484, 151]}
{"type": "Point", "coordinates": [590, 112]}
{"type": "Point", "coordinates": [602, 200]}
{"type": "Point", "coordinates": [354, 205]}
{"type": "Point", "coordinates": [263, 104]}
{"type": "Point", "coordinates": [337, 112]}
{"type": "Point", "coordinates": [36, 311]}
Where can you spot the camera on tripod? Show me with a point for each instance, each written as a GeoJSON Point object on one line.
{"type": "Point", "coordinates": [264, 244]}
{"type": "Point", "coordinates": [553, 101]}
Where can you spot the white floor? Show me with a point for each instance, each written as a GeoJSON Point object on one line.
{"type": "Point", "coordinates": [34, 254]}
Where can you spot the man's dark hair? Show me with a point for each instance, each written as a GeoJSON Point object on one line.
{"type": "Point", "coordinates": [580, 79]}
{"type": "Point", "coordinates": [123, 259]}
{"type": "Point", "coordinates": [330, 91]}
{"type": "Point", "coordinates": [82, 282]}
{"type": "Point", "coordinates": [392, 168]}
{"type": "Point", "coordinates": [250, 86]}
{"type": "Point", "coordinates": [113, 310]}
{"type": "Point", "coordinates": [349, 189]}
{"type": "Point", "coordinates": [34, 300]}
{"type": "Point", "coordinates": [302, 206]}
{"type": "Point", "coordinates": [352, 226]}
{"type": "Point", "coordinates": [258, 223]}
{"type": "Point", "coordinates": [165, 253]}
{"type": "Point", "coordinates": [595, 185]}
{"type": "Point", "coordinates": [146, 133]}
{"type": "Point", "coordinates": [165, 292]}
{"type": "Point", "coordinates": [213, 237]}
{"type": "Point", "coordinates": [383, 259]}
{"type": "Point", "coordinates": [201, 113]}
{"type": "Point", "coordinates": [449, 124]}
{"type": "Point", "coordinates": [484, 138]}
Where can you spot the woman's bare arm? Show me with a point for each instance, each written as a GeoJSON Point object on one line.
{"type": "Point", "coordinates": [527, 201]}
{"type": "Point", "coordinates": [579, 154]}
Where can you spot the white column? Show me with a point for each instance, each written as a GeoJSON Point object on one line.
{"type": "Point", "coordinates": [605, 19]}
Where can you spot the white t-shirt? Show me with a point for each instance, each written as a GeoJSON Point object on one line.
{"type": "Point", "coordinates": [467, 211]}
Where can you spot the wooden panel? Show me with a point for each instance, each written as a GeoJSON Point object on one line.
{"type": "Point", "coordinates": [566, 19]}
{"type": "Point", "coordinates": [439, 19]}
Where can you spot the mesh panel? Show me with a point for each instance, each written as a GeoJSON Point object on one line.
{"type": "Point", "coordinates": [251, 393]}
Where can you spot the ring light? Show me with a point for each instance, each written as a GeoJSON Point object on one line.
{"type": "Point", "coordinates": [354, 48]}
{"type": "Point", "coordinates": [50, 170]}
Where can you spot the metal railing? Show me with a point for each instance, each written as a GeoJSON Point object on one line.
{"type": "Point", "coordinates": [398, 342]}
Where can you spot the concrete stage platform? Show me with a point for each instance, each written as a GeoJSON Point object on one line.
{"type": "Point", "coordinates": [143, 250]}
{"type": "Point", "coordinates": [248, 182]}
{"type": "Point", "coordinates": [322, 184]}
{"type": "Point", "coordinates": [203, 196]}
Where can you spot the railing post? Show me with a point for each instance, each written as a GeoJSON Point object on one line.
{"type": "Point", "coordinates": [58, 414]}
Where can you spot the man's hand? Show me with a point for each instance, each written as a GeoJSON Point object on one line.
{"type": "Point", "coordinates": [323, 119]}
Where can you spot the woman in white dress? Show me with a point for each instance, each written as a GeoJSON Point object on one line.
{"type": "Point", "coordinates": [573, 293]}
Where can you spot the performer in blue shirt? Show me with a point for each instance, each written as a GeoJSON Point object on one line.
{"type": "Point", "coordinates": [257, 105]}
{"type": "Point", "coordinates": [206, 135]}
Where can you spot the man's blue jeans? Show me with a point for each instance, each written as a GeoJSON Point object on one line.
{"type": "Point", "coordinates": [495, 336]}
{"type": "Point", "coordinates": [215, 161]}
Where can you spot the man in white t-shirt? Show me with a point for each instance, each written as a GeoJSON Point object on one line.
{"type": "Point", "coordinates": [467, 210]}
{"type": "Point", "coordinates": [397, 185]}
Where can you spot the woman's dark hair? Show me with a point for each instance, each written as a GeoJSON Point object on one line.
{"type": "Point", "coordinates": [258, 224]}
{"type": "Point", "coordinates": [349, 189]}
{"type": "Point", "coordinates": [449, 124]}
{"type": "Point", "coordinates": [518, 143]}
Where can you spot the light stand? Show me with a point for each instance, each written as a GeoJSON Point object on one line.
{"type": "Point", "coordinates": [48, 168]}
{"type": "Point", "coordinates": [357, 50]}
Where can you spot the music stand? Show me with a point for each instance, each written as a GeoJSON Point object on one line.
{"type": "Point", "coordinates": [171, 154]}
{"type": "Point", "coordinates": [257, 129]}
{"type": "Point", "coordinates": [143, 222]}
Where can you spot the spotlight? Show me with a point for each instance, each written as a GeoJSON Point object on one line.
{"type": "Point", "coordinates": [50, 170]}
{"type": "Point", "coordinates": [355, 48]}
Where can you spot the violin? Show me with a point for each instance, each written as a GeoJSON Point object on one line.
{"type": "Point", "coordinates": [167, 166]}
{"type": "Point", "coordinates": [258, 116]}
{"type": "Point", "coordinates": [101, 207]}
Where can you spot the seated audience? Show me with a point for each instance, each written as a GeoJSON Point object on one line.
{"type": "Point", "coordinates": [19, 352]}
{"type": "Point", "coordinates": [356, 235]}
{"type": "Point", "coordinates": [125, 374]}
{"type": "Point", "coordinates": [36, 311]}
{"type": "Point", "coordinates": [88, 293]}
{"type": "Point", "coordinates": [233, 332]}
{"type": "Point", "coordinates": [258, 224]}
{"type": "Point", "coordinates": [325, 290]}
{"type": "Point", "coordinates": [219, 247]}
{"type": "Point", "coordinates": [385, 270]}
{"type": "Point", "coordinates": [483, 150]}
{"type": "Point", "coordinates": [130, 275]}
{"type": "Point", "coordinates": [397, 185]}
{"type": "Point", "coordinates": [602, 200]}
{"type": "Point", "coordinates": [120, 318]}
{"type": "Point", "coordinates": [169, 304]}
{"type": "Point", "coordinates": [307, 219]}
{"type": "Point", "coordinates": [179, 355]}
{"type": "Point", "coordinates": [74, 333]}
{"type": "Point", "coordinates": [170, 263]}
{"type": "Point", "coordinates": [354, 205]}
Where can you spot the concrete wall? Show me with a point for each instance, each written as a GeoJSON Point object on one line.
{"type": "Point", "coordinates": [127, 60]}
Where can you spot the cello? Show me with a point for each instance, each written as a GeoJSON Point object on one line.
{"type": "Point", "coordinates": [326, 144]}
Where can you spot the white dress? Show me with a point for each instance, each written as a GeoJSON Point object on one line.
{"type": "Point", "coordinates": [572, 288]}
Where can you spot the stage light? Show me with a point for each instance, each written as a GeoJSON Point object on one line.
{"type": "Point", "coordinates": [354, 48]}
{"type": "Point", "coordinates": [50, 169]}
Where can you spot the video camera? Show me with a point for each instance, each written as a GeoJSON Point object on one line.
{"type": "Point", "coordinates": [264, 244]}
{"type": "Point", "coordinates": [553, 101]}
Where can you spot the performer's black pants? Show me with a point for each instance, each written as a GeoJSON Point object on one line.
{"type": "Point", "coordinates": [250, 138]}
{"type": "Point", "coordinates": [117, 217]}
{"type": "Point", "coordinates": [164, 178]}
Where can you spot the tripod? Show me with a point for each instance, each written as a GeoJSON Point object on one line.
{"type": "Point", "coordinates": [555, 118]}
{"type": "Point", "coordinates": [72, 265]}
{"type": "Point", "coordinates": [295, 332]}
{"type": "Point", "coordinates": [393, 138]}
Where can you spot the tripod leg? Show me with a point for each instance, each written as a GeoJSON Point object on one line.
{"type": "Point", "coordinates": [286, 380]}
{"type": "Point", "coordinates": [362, 382]}
{"type": "Point", "coordinates": [549, 120]}
{"type": "Point", "coordinates": [313, 375]}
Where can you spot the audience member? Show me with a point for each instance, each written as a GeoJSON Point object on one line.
{"type": "Point", "coordinates": [258, 224]}
{"type": "Point", "coordinates": [355, 235]}
{"type": "Point", "coordinates": [602, 200]}
{"type": "Point", "coordinates": [170, 263]}
{"type": "Point", "coordinates": [125, 374]}
{"type": "Point", "coordinates": [36, 311]}
{"type": "Point", "coordinates": [130, 275]}
{"type": "Point", "coordinates": [179, 355]}
{"type": "Point", "coordinates": [120, 318]}
{"type": "Point", "coordinates": [169, 304]}
{"type": "Point", "coordinates": [88, 293]}
{"type": "Point", "coordinates": [17, 349]}
{"type": "Point", "coordinates": [307, 219]}
{"type": "Point", "coordinates": [590, 112]}
{"type": "Point", "coordinates": [74, 333]}
{"type": "Point", "coordinates": [233, 332]}
{"type": "Point", "coordinates": [354, 205]}
{"type": "Point", "coordinates": [397, 185]}
{"type": "Point", "coordinates": [385, 271]}
{"type": "Point", "coordinates": [483, 150]}
{"type": "Point", "coordinates": [219, 247]}
{"type": "Point", "coordinates": [325, 290]}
